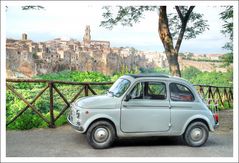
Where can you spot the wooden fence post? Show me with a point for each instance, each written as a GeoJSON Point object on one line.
{"type": "Point", "coordinates": [231, 94]}
{"type": "Point", "coordinates": [52, 121]}
{"type": "Point", "coordinates": [86, 90]}
{"type": "Point", "coordinates": [220, 97]}
{"type": "Point", "coordinates": [201, 91]}
{"type": "Point", "coordinates": [209, 92]}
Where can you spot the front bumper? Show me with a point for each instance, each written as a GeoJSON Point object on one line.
{"type": "Point", "coordinates": [75, 126]}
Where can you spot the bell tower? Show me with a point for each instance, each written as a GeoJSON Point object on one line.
{"type": "Point", "coordinates": [87, 37]}
{"type": "Point", "coordinates": [24, 37]}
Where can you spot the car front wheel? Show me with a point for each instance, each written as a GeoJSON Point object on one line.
{"type": "Point", "coordinates": [196, 134]}
{"type": "Point", "coordinates": [101, 135]}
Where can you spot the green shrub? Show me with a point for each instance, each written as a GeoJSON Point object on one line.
{"type": "Point", "coordinates": [29, 119]}
{"type": "Point", "coordinates": [213, 78]}
{"type": "Point", "coordinates": [190, 72]}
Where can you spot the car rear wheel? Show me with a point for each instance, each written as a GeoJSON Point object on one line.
{"type": "Point", "coordinates": [196, 134]}
{"type": "Point", "coordinates": [101, 135]}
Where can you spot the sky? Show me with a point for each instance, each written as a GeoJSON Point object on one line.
{"type": "Point", "coordinates": [68, 20]}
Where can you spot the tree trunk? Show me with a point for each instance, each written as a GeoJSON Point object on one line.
{"type": "Point", "coordinates": [166, 38]}
{"type": "Point", "coordinates": [173, 64]}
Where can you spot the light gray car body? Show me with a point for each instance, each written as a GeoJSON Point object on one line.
{"type": "Point", "coordinates": [142, 117]}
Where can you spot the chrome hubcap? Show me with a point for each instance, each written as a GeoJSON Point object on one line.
{"type": "Point", "coordinates": [196, 134]}
{"type": "Point", "coordinates": [101, 135]}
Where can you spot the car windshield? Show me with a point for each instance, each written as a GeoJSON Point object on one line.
{"type": "Point", "coordinates": [119, 87]}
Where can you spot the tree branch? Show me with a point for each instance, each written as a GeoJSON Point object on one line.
{"type": "Point", "coordinates": [179, 13]}
{"type": "Point", "coordinates": [189, 12]}
{"type": "Point", "coordinates": [183, 28]}
{"type": "Point", "coordinates": [33, 7]}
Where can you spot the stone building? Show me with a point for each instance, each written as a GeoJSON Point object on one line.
{"type": "Point", "coordinates": [24, 37]}
{"type": "Point", "coordinates": [88, 55]}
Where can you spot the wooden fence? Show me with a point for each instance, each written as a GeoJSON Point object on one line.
{"type": "Point", "coordinates": [222, 94]}
{"type": "Point", "coordinates": [218, 95]}
{"type": "Point", "coordinates": [51, 85]}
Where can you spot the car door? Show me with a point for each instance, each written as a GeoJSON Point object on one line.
{"type": "Point", "coordinates": [146, 109]}
{"type": "Point", "coordinates": [183, 104]}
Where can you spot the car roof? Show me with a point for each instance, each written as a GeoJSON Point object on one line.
{"type": "Point", "coordinates": [149, 75]}
{"type": "Point", "coordinates": [155, 75]}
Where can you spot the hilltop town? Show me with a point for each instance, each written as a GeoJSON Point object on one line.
{"type": "Point", "coordinates": [31, 58]}
{"type": "Point", "coordinates": [26, 58]}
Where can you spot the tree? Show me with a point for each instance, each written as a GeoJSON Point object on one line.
{"type": "Point", "coordinates": [185, 23]}
{"type": "Point", "coordinates": [227, 17]}
{"type": "Point", "coordinates": [190, 72]}
{"type": "Point", "coordinates": [30, 7]}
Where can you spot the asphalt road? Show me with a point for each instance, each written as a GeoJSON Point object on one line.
{"type": "Point", "coordinates": [65, 142]}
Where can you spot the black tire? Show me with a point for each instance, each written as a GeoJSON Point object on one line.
{"type": "Point", "coordinates": [101, 135]}
{"type": "Point", "coordinates": [196, 134]}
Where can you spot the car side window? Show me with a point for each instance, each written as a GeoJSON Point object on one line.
{"type": "Point", "coordinates": [149, 90]}
{"type": "Point", "coordinates": [137, 91]}
{"type": "Point", "coordinates": [155, 90]}
{"type": "Point", "coordinates": [179, 92]}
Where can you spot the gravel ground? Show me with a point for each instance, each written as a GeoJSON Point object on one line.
{"type": "Point", "coordinates": [65, 142]}
{"type": "Point", "coordinates": [226, 121]}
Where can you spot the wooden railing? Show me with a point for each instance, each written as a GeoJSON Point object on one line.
{"type": "Point", "coordinates": [218, 95]}
{"type": "Point", "coordinates": [222, 94]}
{"type": "Point", "coordinates": [51, 85]}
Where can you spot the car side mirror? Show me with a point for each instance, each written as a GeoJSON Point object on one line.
{"type": "Point", "coordinates": [128, 97]}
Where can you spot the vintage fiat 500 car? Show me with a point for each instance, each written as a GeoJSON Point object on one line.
{"type": "Point", "coordinates": [142, 106]}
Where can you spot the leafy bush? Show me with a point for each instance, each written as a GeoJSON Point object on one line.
{"type": "Point", "coordinates": [213, 78]}
{"type": "Point", "coordinates": [154, 70]}
{"type": "Point", "coordinates": [124, 70]}
{"type": "Point", "coordinates": [190, 73]}
{"type": "Point", "coordinates": [29, 119]}
{"type": "Point", "coordinates": [76, 76]}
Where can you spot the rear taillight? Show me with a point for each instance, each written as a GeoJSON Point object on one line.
{"type": "Point", "coordinates": [215, 115]}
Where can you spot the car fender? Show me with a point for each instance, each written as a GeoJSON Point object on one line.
{"type": "Point", "coordinates": [96, 117]}
{"type": "Point", "coordinates": [198, 116]}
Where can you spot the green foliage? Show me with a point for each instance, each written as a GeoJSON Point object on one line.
{"type": "Point", "coordinates": [213, 78]}
{"type": "Point", "coordinates": [227, 17]}
{"type": "Point", "coordinates": [124, 70]}
{"type": "Point", "coordinates": [190, 72]}
{"type": "Point", "coordinates": [35, 56]}
{"type": "Point", "coordinates": [154, 70]}
{"type": "Point", "coordinates": [75, 76]}
{"type": "Point", "coordinates": [196, 76]}
{"type": "Point", "coordinates": [227, 58]}
{"type": "Point", "coordinates": [26, 121]}
{"type": "Point", "coordinates": [33, 7]}
{"type": "Point", "coordinates": [203, 60]}
{"type": "Point", "coordinates": [196, 24]}
{"type": "Point", "coordinates": [29, 119]}
{"type": "Point", "coordinates": [185, 24]}
{"type": "Point", "coordinates": [61, 121]}
{"type": "Point", "coordinates": [127, 15]}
